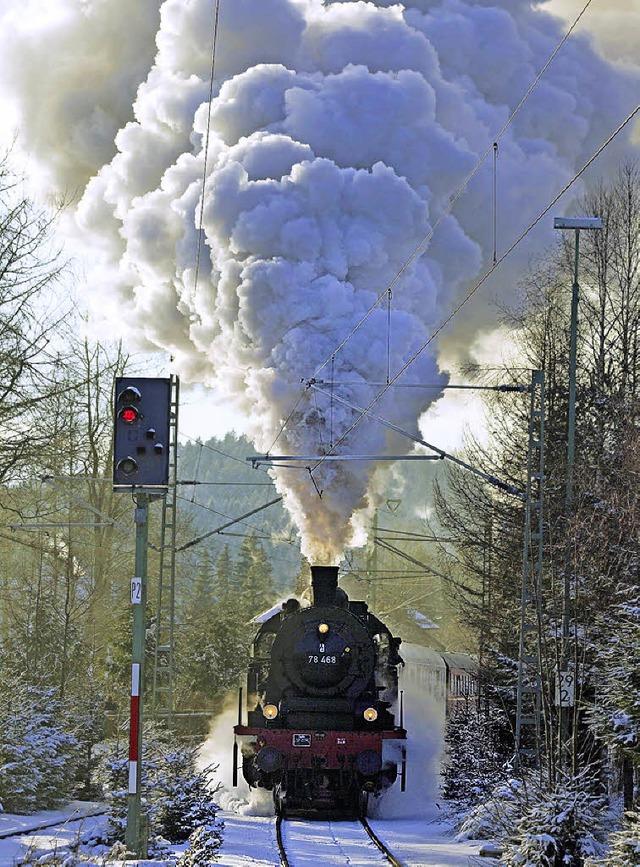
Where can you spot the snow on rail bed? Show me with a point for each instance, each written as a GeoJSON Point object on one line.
{"type": "Point", "coordinates": [426, 840]}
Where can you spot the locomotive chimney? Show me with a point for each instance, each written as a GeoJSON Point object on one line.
{"type": "Point", "coordinates": [324, 580]}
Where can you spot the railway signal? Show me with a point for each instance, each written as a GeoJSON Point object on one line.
{"type": "Point", "coordinates": [141, 433]}
{"type": "Point", "coordinates": [142, 415]}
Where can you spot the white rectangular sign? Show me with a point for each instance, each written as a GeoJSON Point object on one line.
{"type": "Point", "coordinates": [565, 689]}
{"type": "Point", "coordinates": [136, 591]}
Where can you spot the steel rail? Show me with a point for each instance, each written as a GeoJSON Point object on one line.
{"type": "Point", "coordinates": [62, 821]}
{"type": "Point", "coordinates": [388, 854]}
{"type": "Point", "coordinates": [284, 861]}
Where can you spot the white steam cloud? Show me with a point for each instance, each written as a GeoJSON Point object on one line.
{"type": "Point", "coordinates": [338, 133]}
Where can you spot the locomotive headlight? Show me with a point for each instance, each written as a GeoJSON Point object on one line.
{"type": "Point", "coordinates": [270, 711]}
{"type": "Point", "coordinates": [370, 714]}
{"type": "Point", "coordinates": [323, 628]}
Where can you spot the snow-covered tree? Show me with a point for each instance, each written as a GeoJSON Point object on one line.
{"type": "Point", "coordinates": [496, 815]}
{"type": "Point", "coordinates": [177, 798]}
{"type": "Point", "coordinates": [478, 749]}
{"type": "Point", "coordinates": [541, 828]}
{"type": "Point", "coordinates": [615, 712]}
{"type": "Point", "coordinates": [183, 797]}
{"type": "Point", "coordinates": [559, 829]}
{"type": "Point", "coordinates": [38, 758]}
{"type": "Point", "coordinates": [624, 843]}
{"type": "Point", "coordinates": [204, 844]}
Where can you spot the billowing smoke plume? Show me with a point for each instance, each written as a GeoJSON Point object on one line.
{"type": "Point", "coordinates": [338, 133]}
{"type": "Point", "coordinates": [75, 67]}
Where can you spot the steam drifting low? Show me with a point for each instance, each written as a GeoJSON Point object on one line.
{"type": "Point", "coordinates": [338, 133]}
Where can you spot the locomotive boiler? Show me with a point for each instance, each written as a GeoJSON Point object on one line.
{"type": "Point", "coordinates": [324, 730]}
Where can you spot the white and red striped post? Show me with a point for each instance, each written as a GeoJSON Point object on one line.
{"type": "Point", "coordinates": [134, 730]}
{"type": "Point", "coordinates": [135, 837]}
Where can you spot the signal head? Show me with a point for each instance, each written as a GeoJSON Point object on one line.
{"type": "Point", "coordinates": [141, 432]}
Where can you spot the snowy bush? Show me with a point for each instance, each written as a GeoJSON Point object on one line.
{"type": "Point", "coordinates": [496, 815]}
{"type": "Point", "coordinates": [624, 844]}
{"type": "Point", "coordinates": [616, 715]}
{"type": "Point", "coordinates": [559, 829]}
{"type": "Point", "coordinates": [38, 758]}
{"type": "Point", "coordinates": [204, 844]}
{"type": "Point", "coordinates": [114, 775]}
{"type": "Point", "coordinates": [539, 827]}
{"type": "Point", "coordinates": [177, 799]}
{"type": "Point", "coordinates": [184, 799]}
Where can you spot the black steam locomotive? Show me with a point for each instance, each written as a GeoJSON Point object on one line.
{"type": "Point", "coordinates": [321, 697]}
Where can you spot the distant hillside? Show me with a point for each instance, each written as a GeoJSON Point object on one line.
{"type": "Point", "coordinates": [229, 487]}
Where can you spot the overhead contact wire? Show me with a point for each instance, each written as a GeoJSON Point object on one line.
{"type": "Point", "coordinates": [206, 141]}
{"type": "Point", "coordinates": [287, 419]}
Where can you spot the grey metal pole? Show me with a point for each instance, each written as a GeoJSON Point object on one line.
{"type": "Point", "coordinates": [136, 830]}
{"type": "Point", "coordinates": [571, 434]}
{"type": "Point", "coordinates": [564, 709]}
{"type": "Point", "coordinates": [565, 712]}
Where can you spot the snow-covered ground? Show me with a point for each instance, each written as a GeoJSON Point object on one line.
{"type": "Point", "coordinates": [250, 841]}
{"type": "Point", "coordinates": [47, 832]}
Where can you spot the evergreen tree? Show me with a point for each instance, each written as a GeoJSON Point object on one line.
{"type": "Point", "coordinates": [225, 573]}
{"type": "Point", "coordinates": [215, 635]}
{"type": "Point", "coordinates": [303, 579]}
{"type": "Point", "coordinates": [624, 844]}
{"type": "Point", "coordinates": [38, 758]}
{"type": "Point", "coordinates": [559, 829]}
{"type": "Point", "coordinates": [255, 578]}
{"type": "Point", "coordinates": [478, 754]}
{"type": "Point", "coordinates": [614, 714]}
{"type": "Point", "coordinates": [184, 798]}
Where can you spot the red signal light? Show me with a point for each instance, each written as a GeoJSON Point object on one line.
{"type": "Point", "coordinates": [129, 414]}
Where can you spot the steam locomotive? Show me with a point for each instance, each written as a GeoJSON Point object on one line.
{"type": "Point", "coordinates": [322, 693]}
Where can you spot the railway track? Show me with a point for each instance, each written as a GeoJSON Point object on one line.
{"type": "Point", "coordinates": [61, 821]}
{"type": "Point", "coordinates": [304, 842]}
